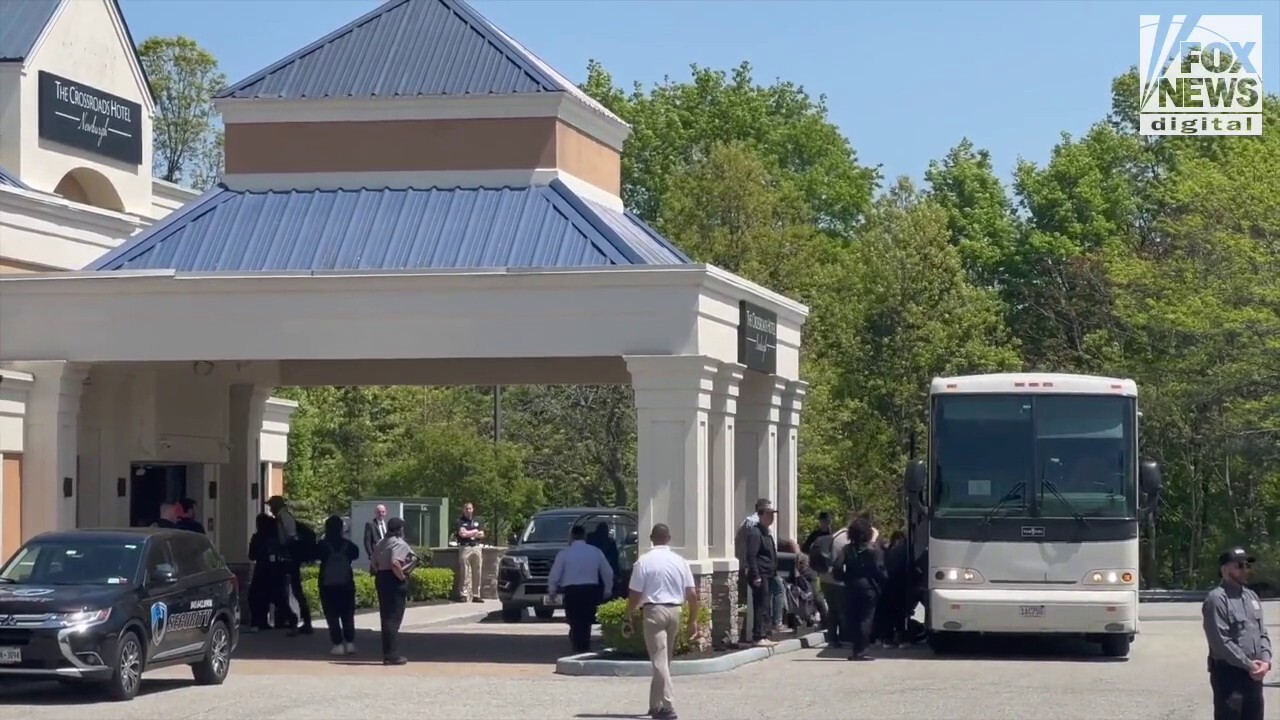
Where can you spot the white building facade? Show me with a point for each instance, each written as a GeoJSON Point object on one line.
{"type": "Point", "coordinates": [449, 214]}
{"type": "Point", "coordinates": [75, 182]}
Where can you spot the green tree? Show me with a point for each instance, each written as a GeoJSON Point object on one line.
{"type": "Point", "coordinates": [184, 78]}
{"type": "Point", "coordinates": [676, 124]}
{"type": "Point", "coordinates": [980, 216]}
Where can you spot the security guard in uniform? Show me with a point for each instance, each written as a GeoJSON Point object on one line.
{"type": "Point", "coordinates": [1239, 648]}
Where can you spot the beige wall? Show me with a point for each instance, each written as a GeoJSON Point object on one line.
{"type": "Point", "coordinates": [10, 505]}
{"type": "Point", "coordinates": [420, 145]}
{"type": "Point", "coordinates": [276, 483]}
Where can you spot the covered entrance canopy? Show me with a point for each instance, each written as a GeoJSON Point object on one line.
{"type": "Point", "coordinates": [464, 244]}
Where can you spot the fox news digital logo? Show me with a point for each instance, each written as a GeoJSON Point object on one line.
{"type": "Point", "coordinates": [1201, 74]}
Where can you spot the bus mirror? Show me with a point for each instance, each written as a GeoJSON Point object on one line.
{"type": "Point", "coordinates": [913, 481]}
{"type": "Point", "coordinates": [1149, 478]}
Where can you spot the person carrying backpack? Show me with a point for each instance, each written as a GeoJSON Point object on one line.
{"type": "Point", "coordinates": [298, 541]}
{"type": "Point", "coordinates": [338, 586]}
{"type": "Point", "coordinates": [825, 559]}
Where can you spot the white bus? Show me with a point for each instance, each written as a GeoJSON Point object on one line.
{"type": "Point", "coordinates": [1026, 515]}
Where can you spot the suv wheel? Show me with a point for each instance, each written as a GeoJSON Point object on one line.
{"type": "Point", "coordinates": [126, 675]}
{"type": "Point", "coordinates": [212, 670]}
{"type": "Point", "coordinates": [512, 613]}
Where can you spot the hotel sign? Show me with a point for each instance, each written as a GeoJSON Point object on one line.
{"type": "Point", "coordinates": [757, 338]}
{"type": "Point", "coordinates": [90, 119]}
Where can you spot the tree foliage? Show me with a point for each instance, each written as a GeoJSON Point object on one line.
{"type": "Point", "coordinates": [187, 140]}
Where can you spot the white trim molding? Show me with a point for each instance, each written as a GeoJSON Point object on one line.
{"type": "Point", "coordinates": [50, 231]}
{"type": "Point", "coordinates": [561, 105]}
{"type": "Point", "coordinates": [421, 179]}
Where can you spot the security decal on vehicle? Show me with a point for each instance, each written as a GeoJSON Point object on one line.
{"type": "Point", "coordinates": [191, 620]}
{"type": "Point", "coordinates": [159, 623]}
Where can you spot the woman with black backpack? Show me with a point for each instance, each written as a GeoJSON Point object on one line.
{"type": "Point", "coordinates": [338, 586]}
{"type": "Point", "coordinates": [864, 580]}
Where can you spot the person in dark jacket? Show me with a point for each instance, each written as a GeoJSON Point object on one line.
{"type": "Point", "coordinates": [338, 586]}
{"type": "Point", "coordinates": [864, 579]}
{"type": "Point", "coordinates": [823, 529]}
{"type": "Point", "coordinates": [267, 589]}
{"type": "Point", "coordinates": [761, 559]}
{"type": "Point", "coordinates": [287, 526]}
{"type": "Point", "coordinates": [892, 611]}
{"type": "Point", "coordinates": [187, 517]}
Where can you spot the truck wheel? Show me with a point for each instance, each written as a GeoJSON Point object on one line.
{"type": "Point", "coordinates": [126, 673]}
{"type": "Point", "coordinates": [213, 669]}
{"type": "Point", "coordinates": [512, 613]}
{"type": "Point", "coordinates": [544, 613]}
{"type": "Point", "coordinates": [1116, 645]}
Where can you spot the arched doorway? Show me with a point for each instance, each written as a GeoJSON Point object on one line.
{"type": "Point", "coordinates": [89, 187]}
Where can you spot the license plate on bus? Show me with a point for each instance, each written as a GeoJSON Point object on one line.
{"type": "Point", "coordinates": [1035, 611]}
{"type": "Point", "coordinates": [10, 655]}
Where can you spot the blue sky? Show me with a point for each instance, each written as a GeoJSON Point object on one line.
{"type": "Point", "coordinates": [904, 80]}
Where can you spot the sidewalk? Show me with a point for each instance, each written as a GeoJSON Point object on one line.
{"type": "Point", "coordinates": [423, 616]}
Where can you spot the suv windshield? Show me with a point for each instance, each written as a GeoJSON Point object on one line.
{"type": "Point", "coordinates": [549, 529]}
{"type": "Point", "coordinates": [1080, 445]}
{"type": "Point", "coordinates": [74, 562]}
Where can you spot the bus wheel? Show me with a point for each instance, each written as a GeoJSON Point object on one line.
{"type": "Point", "coordinates": [942, 643]}
{"type": "Point", "coordinates": [1116, 645]}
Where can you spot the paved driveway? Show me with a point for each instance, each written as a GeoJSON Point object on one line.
{"type": "Point", "coordinates": [491, 670]}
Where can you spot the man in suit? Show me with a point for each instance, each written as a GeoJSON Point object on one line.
{"type": "Point", "coordinates": [374, 531]}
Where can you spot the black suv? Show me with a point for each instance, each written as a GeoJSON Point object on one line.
{"type": "Point", "coordinates": [104, 606]}
{"type": "Point", "coordinates": [526, 565]}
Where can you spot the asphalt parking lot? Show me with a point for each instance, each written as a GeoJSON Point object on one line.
{"type": "Point", "coordinates": [490, 670]}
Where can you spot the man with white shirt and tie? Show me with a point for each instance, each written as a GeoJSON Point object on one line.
{"type": "Point", "coordinates": [374, 531]}
{"type": "Point", "coordinates": [582, 573]}
{"type": "Point", "coordinates": [661, 582]}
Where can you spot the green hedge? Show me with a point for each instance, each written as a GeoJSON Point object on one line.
{"type": "Point", "coordinates": [612, 617]}
{"type": "Point", "coordinates": [424, 584]}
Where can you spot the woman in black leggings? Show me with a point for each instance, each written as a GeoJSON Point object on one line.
{"type": "Point", "coordinates": [864, 577]}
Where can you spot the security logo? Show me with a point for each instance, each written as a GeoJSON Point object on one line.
{"type": "Point", "coordinates": [159, 622]}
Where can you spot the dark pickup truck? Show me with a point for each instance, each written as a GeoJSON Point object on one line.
{"type": "Point", "coordinates": [526, 565]}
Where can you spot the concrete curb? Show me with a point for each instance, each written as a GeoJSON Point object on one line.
{"type": "Point", "coordinates": [591, 664]}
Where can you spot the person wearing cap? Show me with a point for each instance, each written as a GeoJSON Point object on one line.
{"type": "Point", "coordinates": [661, 582]}
{"type": "Point", "coordinates": [761, 568]}
{"type": "Point", "coordinates": [1239, 647]}
{"type": "Point", "coordinates": [394, 560]}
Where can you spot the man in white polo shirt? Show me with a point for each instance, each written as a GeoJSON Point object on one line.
{"type": "Point", "coordinates": [661, 582]}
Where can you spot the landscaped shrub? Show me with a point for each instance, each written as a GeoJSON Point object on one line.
{"type": "Point", "coordinates": [425, 584]}
{"type": "Point", "coordinates": [612, 617]}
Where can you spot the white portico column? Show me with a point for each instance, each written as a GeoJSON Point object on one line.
{"type": "Point", "coordinates": [724, 520]}
{"type": "Point", "coordinates": [788, 454]}
{"type": "Point", "coordinates": [236, 509]}
{"type": "Point", "coordinates": [673, 400]}
{"type": "Point", "coordinates": [49, 477]}
{"type": "Point", "coordinates": [759, 406]}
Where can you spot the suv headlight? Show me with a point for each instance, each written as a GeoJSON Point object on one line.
{"type": "Point", "coordinates": [84, 618]}
{"type": "Point", "coordinates": [517, 562]}
{"type": "Point", "coordinates": [1109, 577]}
{"type": "Point", "coordinates": [967, 576]}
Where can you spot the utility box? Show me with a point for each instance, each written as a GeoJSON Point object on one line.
{"type": "Point", "coordinates": [426, 521]}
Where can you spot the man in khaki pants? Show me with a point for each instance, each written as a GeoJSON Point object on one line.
{"type": "Point", "coordinates": [661, 582]}
{"type": "Point", "coordinates": [470, 559]}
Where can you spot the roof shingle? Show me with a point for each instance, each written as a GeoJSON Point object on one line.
{"type": "Point", "coordinates": [410, 48]}
{"type": "Point", "coordinates": [391, 229]}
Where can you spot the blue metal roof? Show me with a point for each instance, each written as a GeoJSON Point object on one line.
{"type": "Point", "coordinates": [408, 48]}
{"type": "Point", "coordinates": [391, 229]}
{"type": "Point", "coordinates": [7, 178]}
{"type": "Point", "coordinates": [21, 23]}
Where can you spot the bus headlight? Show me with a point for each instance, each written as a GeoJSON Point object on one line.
{"type": "Point", "coordinates": [958, 575]}
{"type": "Point", "coordinates": [1109, 577]}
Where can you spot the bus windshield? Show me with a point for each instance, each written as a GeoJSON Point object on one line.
{"type": "Point", "coordinates": [1055, 455]}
